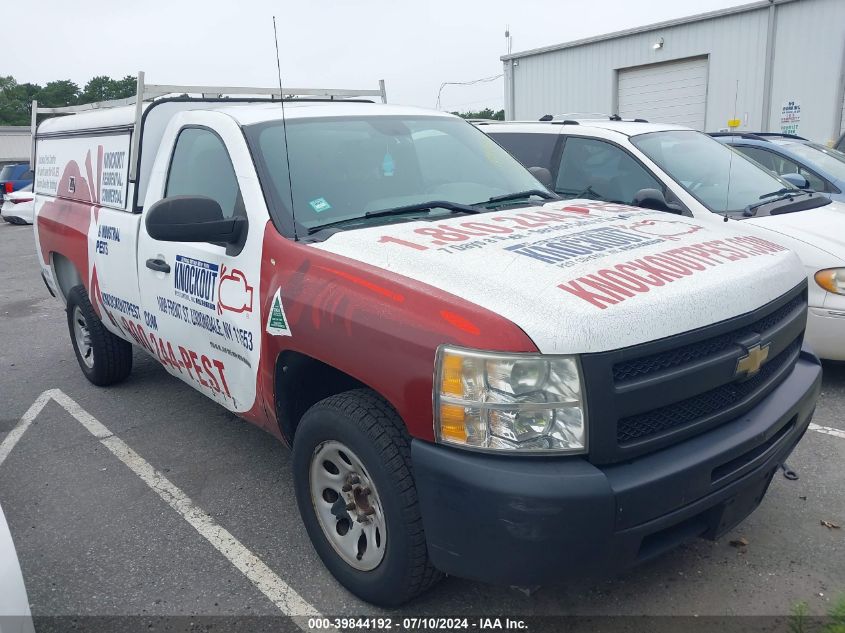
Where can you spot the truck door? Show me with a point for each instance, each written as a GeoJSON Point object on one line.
{"type": "Point", "coordinates": [205, 296]}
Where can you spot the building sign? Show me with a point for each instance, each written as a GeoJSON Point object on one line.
{"type": "Point", "coordinates": [790, 117]}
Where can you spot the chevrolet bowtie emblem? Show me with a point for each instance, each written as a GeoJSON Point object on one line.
{"type": "Point", "coordinates": [751, 363]}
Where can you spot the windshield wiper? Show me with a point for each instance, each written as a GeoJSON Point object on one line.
{"type": "Point", "coordinates": [589, 191]}
{"type": "Point", "coordinates": [780, 192]}
{"type": "Point", "coordinates": [396, 211]}
{"type": "Point", "coordinates": [783, 194]}
{"type": "Point", "coordinates": [423, 206]}
{"type": "Point", "coordinates": [519, 195]}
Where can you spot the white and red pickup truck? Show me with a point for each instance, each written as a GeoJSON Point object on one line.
{"type": "Point", "coordinates": [475, 378]}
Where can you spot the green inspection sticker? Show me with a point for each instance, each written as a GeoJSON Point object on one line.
{"type": "Point", "coordinates": [320, 204]}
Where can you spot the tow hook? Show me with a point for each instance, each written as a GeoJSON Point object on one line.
{"type": "Point", "coordinates": [788, 472]}
{"type": "Point", "coordinates": [528, 591]}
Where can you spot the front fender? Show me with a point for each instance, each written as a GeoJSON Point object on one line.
{"type": "Point", "coordinates": [381, 328]}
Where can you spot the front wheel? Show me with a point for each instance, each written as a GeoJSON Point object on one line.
{"type": "Point", "coordinates": [104, 358]}
{"type": "Point", "coordinates": [357, 498]}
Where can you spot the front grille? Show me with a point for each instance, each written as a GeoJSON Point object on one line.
{"type": "Point", "coordinates": [703, 405]}
{"type": "Point", "coordinates": [639, 367]}
{"type": "Point", "coordinates": [649, 396]}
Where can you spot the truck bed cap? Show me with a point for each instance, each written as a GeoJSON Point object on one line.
{"type": "Point", "coordinates": [123, 116]}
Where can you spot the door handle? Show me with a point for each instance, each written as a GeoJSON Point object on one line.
{"type": "Point", "coordinates": [158, 265]}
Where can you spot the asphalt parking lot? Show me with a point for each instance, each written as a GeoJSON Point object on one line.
{"type": "Point", "coordinates": [95, 539]}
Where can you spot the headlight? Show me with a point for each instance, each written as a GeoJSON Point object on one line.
{"type": "Point", "coordinates": [509, 402]}
{"type": "Point", "coordinates": [832, 280]}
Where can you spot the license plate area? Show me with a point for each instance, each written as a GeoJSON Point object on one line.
{"type": "Point", "coordinates": [730, 513]}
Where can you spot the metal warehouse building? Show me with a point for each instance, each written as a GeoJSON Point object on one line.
{"type": "Point", "coordinates": [15, 143]}
{"type": "Point", "coordinates": [776, 65]}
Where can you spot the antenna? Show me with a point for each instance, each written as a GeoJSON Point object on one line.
{"type": "Point", "coordinates": [731, 160]}
{"type": "Point", "coordinates": [284, 124]}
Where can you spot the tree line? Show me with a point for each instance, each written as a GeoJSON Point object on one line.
{"type": "Point", "coordinates": [16, 98]}
{"type": "Point", "coordinates": [486, 113]}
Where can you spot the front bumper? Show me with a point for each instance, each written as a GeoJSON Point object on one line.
{"type": "Point", "coordinates": [826, 332]}
{"type": "Point", "coordinates": [527, 521]}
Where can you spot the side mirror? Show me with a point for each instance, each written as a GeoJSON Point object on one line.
{"type": "Point", "coordinates": [653, 199]}
{"type": "Point", "coordinates": [797, 180]}
{"type": "Point", "coordinates": [192, 219]}
{"type": "Point", "coordinates": [543, 175]}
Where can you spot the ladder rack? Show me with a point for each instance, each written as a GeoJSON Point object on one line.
{"type": "Point", "coordinates": [151, 92]}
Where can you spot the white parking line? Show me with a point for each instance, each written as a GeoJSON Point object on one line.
{"type": "Point", "coordinates": [286, 599]}
{"type": "Point", "coordinates": [828, 430]}
{"type": "Point", "coordinates": [23, 424]}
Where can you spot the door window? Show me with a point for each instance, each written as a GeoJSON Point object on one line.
{"type": "Point", "coordinates": [590, 168]}
{"type": "Point", "coordinates": [201, 167]}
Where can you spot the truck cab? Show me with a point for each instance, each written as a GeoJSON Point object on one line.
{"type": "Point", "coordinates": [474, 376]}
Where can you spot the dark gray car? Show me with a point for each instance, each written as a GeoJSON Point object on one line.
{"type": "Point", "coordinates": [783, 154]}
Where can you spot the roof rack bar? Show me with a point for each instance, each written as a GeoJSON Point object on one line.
{"type": "Point", "coordinates": [781, 135]}
{"type": "Point", "coordinates": [746, 135]}
{"type": "Point", "coordinates": [159, 90]}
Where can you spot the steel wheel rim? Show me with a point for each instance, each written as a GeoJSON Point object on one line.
{"type": "Point", "coordinates": [83, 338]}
{"type": "Point", "coordinates": [347, 506]}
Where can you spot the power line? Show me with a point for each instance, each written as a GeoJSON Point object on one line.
{"type": "Point", "coordinates": [466, 83]}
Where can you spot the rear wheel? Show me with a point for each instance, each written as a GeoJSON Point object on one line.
{"type": "Point", "coordinates": [104, 358]}
{"type": "Point", "coordinates": [356, 495]}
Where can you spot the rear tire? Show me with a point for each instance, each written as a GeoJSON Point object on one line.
{"type": "Point", "coordinates": [393, 565]}
{"type": "Point", "coordinates": [104, 358]}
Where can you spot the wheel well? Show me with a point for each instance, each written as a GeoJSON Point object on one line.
{"type": "Point", "coordinates": [302, 381]}
{"type": "Point", "coordinates": [65, 274]}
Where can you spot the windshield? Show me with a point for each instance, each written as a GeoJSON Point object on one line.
{"type": "Point", "coordinates": [8, 172]}
{"type": "Point", "coordinates": [343, 168]}
{"type": "Point", "coordinates": [719, 177]}
{"type": "Point", "coordinates": [829, 160]}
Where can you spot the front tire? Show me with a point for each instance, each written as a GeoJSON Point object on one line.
{"type": "Point", "coordinates": [357, 498]}
{"type": "Point", "coordinates": [104, 358]}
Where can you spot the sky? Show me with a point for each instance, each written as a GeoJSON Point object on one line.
{"type": "Point", "coordinates": [414, 46]}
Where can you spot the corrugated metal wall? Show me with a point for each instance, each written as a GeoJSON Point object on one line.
{"type": "Point", "coordinates": [810, 35]}
{"type": "Point", "coordinates": [842, 120]}
{"type": "Point", "coordinates": [809, 53]}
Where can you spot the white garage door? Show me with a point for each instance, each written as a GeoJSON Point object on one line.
{"type": "Point", "coordinates": [674, 92]}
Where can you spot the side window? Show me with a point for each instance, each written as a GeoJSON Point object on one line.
{"type": "Point", "coordinates": [782, 165]}
{"type": "Point", "coordinates": [201, 166]}
{"type": "Point", "coordinates": [816, 183]}
{"type": "Point", "coordinates": [765, 158]}
{"type": "Point", "coordinates": [532, 150]}
{"type": "Point", "coordinates": [590, 168]}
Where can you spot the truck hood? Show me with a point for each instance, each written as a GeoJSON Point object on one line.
{"type": "Point", "coordinates": [582, 276]}
{"type": "Point", "coordinates": [822, 228]}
